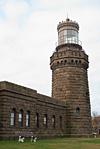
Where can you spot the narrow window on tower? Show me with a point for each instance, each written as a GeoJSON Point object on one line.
{"type": "Point", "coordinates": [28, 118]}
{"type": "Point", "coordinates": [61, 62]}
{"type": "Point", "coordinates": [75, 62]}
{"type": "Point", "coordinates": [45, 121]}
{"type": "Point", "coordinates": [65, 61]}
{"type": "Point", "coordinates": [13, 112]}
{"type": "Point", "coordinates": [21, 118]}
{"type": "Point", "coordinates": [58, 63]}
{"type": "Point", "coordinates": [53, 121]}
{"type": "Point", "coordinates": [37, 120]}
{"type": "Point", "coordinates": [72, 61]}
{"type": "Point", "coordinates": [77, 111]}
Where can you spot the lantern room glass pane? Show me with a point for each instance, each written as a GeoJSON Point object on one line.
{"type": "Point", "coordinates": [65, 32]}
{"type": "Point", "coordinates": [70, 36]}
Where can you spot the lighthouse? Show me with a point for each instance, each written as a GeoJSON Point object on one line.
{"type": "Point", "coordinates": [69, 64]}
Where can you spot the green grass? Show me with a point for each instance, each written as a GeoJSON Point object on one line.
{"type": "Point", "coordinates": [97, 141]}
{"type": "Point", "coordinates": [59, 143]}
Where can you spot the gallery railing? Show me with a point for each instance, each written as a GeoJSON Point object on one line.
{"type": "Point", "coordinates": [65, 40]}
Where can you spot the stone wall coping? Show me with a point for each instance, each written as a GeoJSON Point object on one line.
{"type": "Point", "coordinates": [18, 89]}
{"type": "Point", "coordinates": [50, 100]}
{"type": "Point", "coordinates": [12, 87]}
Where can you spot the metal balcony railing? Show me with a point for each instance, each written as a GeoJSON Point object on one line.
{"type": "Point", "coordinates": [65, 40]}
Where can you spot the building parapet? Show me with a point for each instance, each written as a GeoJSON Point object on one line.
{"type": "Point", "coordinates": [18, 89]}
{"type": "Point", "coordinates": [50, 100]}
{"type": "Point", "coordinates": [69, 53]}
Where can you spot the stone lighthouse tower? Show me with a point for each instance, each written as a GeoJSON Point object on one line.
{"type": "Point", "coordinates": [69, 64]}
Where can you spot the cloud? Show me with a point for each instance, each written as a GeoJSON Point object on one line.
{"type": "Point", "coordinates": [24, 51]}
{"type": "Point", "coordinates": [13, 9]}
{"type": "Point", "coordinates": [58, 3]}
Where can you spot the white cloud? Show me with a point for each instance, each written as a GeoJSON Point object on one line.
{"type": "Point", "coordinates": [58, 3]}
{"type": "Point", "coordinates": [13, 9]}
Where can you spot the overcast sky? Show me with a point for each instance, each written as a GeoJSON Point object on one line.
{"type": "Point", "coordinates": [28, 33]}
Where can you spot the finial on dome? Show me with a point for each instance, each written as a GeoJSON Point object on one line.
{"type": "Point", "coordinates": [67, 15]}
{"type": "Point", "coordinates": [67, 18]}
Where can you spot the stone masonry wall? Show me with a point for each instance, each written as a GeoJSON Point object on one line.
{"type": "Point", "coordinates": [17, 97]}
{"type": "Point", "coordinates": [70, 83]}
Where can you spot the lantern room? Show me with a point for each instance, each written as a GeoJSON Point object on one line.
{"type": "Point", "coordinates": [68, 32]}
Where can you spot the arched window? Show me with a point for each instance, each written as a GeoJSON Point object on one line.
{"type": "Point", "coordinates": [60, 121]}
{"type": "Point", "coordinates": [37, 120]}
{"type": "Point", "coordinates": [53, 121]}
{"type": "Point", "coordinates": [72, 61]}
{"type": "Point", "coordinates": [75, 62]}
{"type": "Point", "coordinates": [28, 118]}
{"type": "Point", "coordinates": [77, 111]}
{"type": "Point", "coordinates": [58, 63]}
{"type": "Point", "coordinates": [61, 62]}
{"type": "Point", "coordinates": [65, 61]}
{"type": "Point", "coordinates": [13, 112]}
{"type": "Point", "coordinates": [45, 121]}
{"type": "Point", "coordinates": [21, 118]}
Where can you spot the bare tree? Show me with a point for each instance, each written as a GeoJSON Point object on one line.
{"type": "Point", "coordinates": [95, 120]}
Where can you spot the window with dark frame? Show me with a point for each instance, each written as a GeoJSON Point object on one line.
{"type": "Point", "coordinates": [21, 118]}
{"type": "Point", "coordinates": [28, 118]}
{"type": "Point", "coordinates": [77, 111]}
{"type": "Point", "coordinates": [60, 121]}
{"type": "Point", "coordinates": [37, 120]}
{"type": "Point", "coordinates": [53, 121]}
{"type": "Point", "coordinates": [13, 112]}
{"type": "Point", "coordinates": [45, 121]}
{"type": "Point", "coordinates": [99, 131]}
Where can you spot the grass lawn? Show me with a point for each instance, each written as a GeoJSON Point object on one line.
{"type": "Point", "coordinates": [60, 143]}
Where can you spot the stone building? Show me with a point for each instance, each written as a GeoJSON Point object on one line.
{"type": "Point", "coordinates": [65, 114]}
